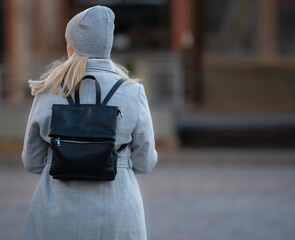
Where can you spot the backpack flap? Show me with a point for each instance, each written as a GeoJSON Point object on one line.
{"type": "Point", "coordinates": [87, 121]}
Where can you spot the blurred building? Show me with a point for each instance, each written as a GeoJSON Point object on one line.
{"type": "Point", "coordinates": [217, 72]}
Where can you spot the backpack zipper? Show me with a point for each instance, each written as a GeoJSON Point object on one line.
{"type": "Point", "coordinates": [119, 111]}
{"type": "Point", "coordinates": [58, 142]}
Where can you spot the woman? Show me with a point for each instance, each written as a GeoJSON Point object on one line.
{"type": "Point", "coordinates": [111, 210]}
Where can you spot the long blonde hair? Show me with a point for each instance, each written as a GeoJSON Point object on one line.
{"type": "Point", "coordinates": [71, 72]}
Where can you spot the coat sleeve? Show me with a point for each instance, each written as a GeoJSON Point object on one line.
{"type": "Point", "coordinates": [143, 154]}
{"type": "Point", "coordinates": [35, 148]}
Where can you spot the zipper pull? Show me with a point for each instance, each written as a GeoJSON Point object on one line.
{"type": "Point", "coordinates": [58, 142]}
{"type": "Point", "coordinates": [120, 113]}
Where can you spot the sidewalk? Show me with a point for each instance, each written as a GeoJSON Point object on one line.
{"type": "Point", "coordinates": [224, 203]}
{"type": "Point", "coordinates": [189, 201]}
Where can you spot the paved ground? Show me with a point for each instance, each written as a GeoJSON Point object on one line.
{"type": "Point", "coordinates": [187, 202]}
{"type": "Point", "coordinates": [210, 203]}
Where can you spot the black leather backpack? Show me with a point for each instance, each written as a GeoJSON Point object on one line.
{"type": "Point", "coordinates": [83, 136]}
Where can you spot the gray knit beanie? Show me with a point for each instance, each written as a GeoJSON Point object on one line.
{"type": "Point", "coordinates": [90, 33]}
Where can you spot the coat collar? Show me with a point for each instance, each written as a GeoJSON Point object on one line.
{"type": "Point", "coordinates": [103, 64]}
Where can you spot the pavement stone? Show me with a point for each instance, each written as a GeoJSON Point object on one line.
{"type": "Point", "coordinates": [209, 203]}
{"type": "Point", "coordinates": [187, 202]}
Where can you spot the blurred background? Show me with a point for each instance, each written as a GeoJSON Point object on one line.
{"type": "Point", "coordinates": [217, 72]}
{"type": "Point", "coordinates": [220, 78]}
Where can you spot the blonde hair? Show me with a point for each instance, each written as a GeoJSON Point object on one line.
{"type": "Point", "coordinates": [70, 73]}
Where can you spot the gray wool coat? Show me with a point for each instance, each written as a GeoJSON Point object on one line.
{"type": "Point", "coordinates": [79, 210]}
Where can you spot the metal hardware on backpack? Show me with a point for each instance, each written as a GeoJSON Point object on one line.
{"type": "Point", "coordinates": [83, 136]}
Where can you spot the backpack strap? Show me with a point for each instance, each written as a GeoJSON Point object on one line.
{"type": "Point", "coordinates": [122, 147]}
{"type": "Point", "coordinates": [97, 86]}
{"type": "Point", "coordinates": [112, 91]}
{"type": "Point", "coordinates": [69, 98]}
{"type": "Point", "coordinates": [77, 97]}
{"type": "Point", "coordinates": [107, 98]}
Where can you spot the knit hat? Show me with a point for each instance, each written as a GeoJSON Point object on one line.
{"type": "Point", "coordinates": [90, 33]}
